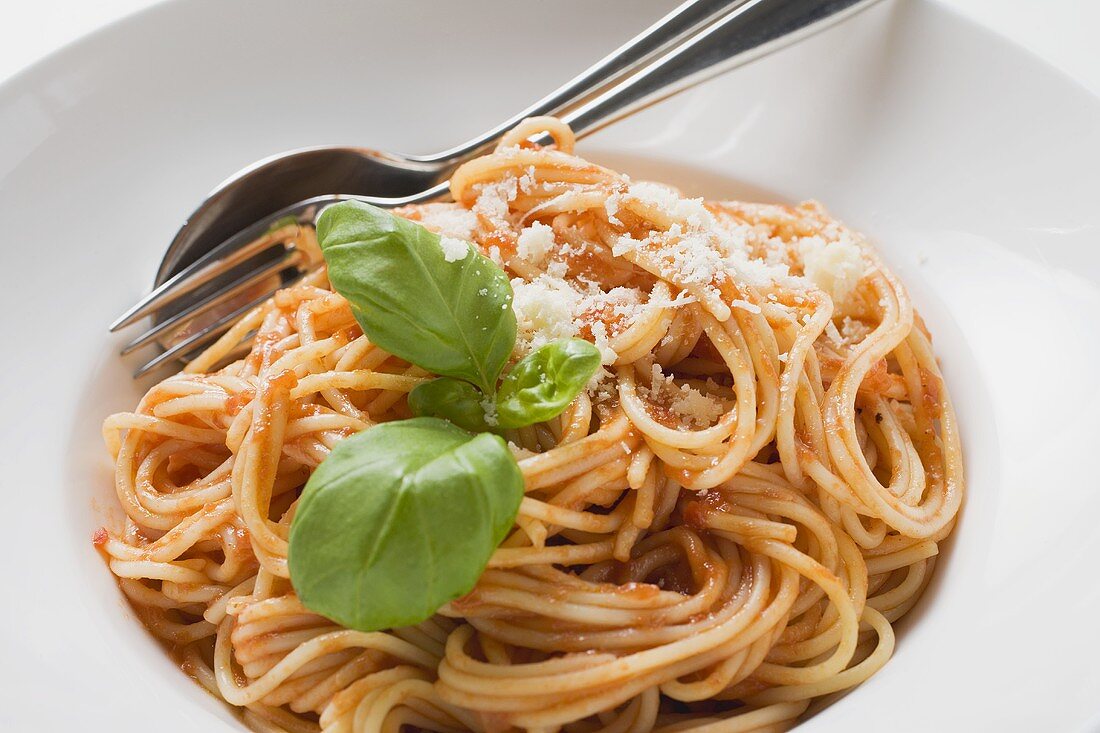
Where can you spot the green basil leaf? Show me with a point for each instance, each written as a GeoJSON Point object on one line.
{"type": "Point", "coordinates": [400, 519]}
{"type": "Point", "coordinates": [544, 382]}
{"type": "Point", "coordinates": [460, 402]}
{"type": "Point", "coordinates": [453, 318]}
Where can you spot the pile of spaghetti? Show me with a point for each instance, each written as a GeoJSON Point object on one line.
{"type": "Point", "coordinates": [720, 529]}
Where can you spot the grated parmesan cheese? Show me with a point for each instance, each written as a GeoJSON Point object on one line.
{"type": "Point", "coordinates": [625, 243]}
{"type": "Point", "coordinates": [694, 260]}
{"type": "Point", "coordinates": [557, 269]}
{"type": "Point", "coordinates": [535, 242]}
{"type": "Point", "coordinates": [454, 249]}
{"type": "Point", "coordinates": [489, 407]}
{"type": "Point", "coordinates": [733, 243]}
{"type": "Point", "coordinates": [603, 386]}
{"type": "Point", "coordinates": [544, 308]}
{"type": "Point", "coordinates": [493, 198]}
{"type": "Point", "coordinates": [696, 408]}
{"type": "Point", "coordinates": [697, 249]}
{"type": "Point", "coordinates": [611, 206]}
{"type": "Point", "coordinates": [689, 404]}
{"type": "Point", "coordinates": [550, 307]}
{"type": "Point", "coordinates": [670, 203]}
{"type": "Point", "coordinates": [853, 331]}
{"type": "Point", "coordinates": [527, 180]}
{"type": "Point", "coordinates": [449, 220]}
{"type": "Point", "coordinates": [699, 255]}
{"type": "Point", "coordinates": [602, 340]}
{"type": "Point", "coordinates": [835, 267]}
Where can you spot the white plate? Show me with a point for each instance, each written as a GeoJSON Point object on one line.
{"type": "Point", "coordinates": [973, 166]}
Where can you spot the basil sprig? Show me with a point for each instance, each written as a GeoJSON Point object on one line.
{"type": "Point", "coordinates": [400, 519]}
{"type": "Point", "coordinates": [453, 318]}
{"type": "Point", "coordinates": [403, 517]}
{"type": "Point", "coordinates": [537, 388]}
{"type": "Point", "coordinates": [544, 382]}
{"type": "Point", "coordinates": [452, 399]}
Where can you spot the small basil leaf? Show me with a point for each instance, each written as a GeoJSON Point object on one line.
{"type": "Point", "coordinates": [452, 399]}
{"type": "Point", "coordinates": [399, 520]}
{"type": "Point", "coordinates": [452, 318]}
{"type": "Point", "coordinates": [544, 382]}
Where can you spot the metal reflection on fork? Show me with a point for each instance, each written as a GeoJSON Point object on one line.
{"type": "Point", "coordinates": [233, 252]}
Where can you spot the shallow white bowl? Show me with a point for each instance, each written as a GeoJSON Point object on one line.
{"type": "Point", "coordinates": [972, 165]}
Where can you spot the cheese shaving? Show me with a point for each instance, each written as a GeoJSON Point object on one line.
{"type": "Point", "coordinates": [453, 249]}
{"type": "Point", "coordinates": [834, 266]}
{"type": "Point", "coordinates": [535, 242]}
{"type": "Point", "coordinates": [449, 220]}
{"type": "Point", "coordinates": [691, 406]}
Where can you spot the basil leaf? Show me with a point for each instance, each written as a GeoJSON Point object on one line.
{"type": "Point", "coordinates": [544, 382]}
{"type": "Point", "coordinates": [400, 519]}
{"type": "Point", "coordinates": [457, 401]}
{"type": "Point", "coordinates": [452, 318]}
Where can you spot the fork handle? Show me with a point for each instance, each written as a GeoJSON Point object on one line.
{"type": "Point", "coordinates": [732, 34]}
{"type": "Point", "coordinates": [750, 31]}
{"type": "Point", "coordinates": [668, 32]}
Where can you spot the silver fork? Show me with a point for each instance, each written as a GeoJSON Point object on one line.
{"type": "Point", "coordinates": [223, 262]}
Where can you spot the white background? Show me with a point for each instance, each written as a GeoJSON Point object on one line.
{"type": "Point", "coordinates": [1060, 31]}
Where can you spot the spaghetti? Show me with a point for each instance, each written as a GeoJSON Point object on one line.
{"type": "Point", "coordinates": [721, 529]}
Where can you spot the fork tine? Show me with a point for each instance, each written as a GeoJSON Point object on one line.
{"type": "Point", "coordinates": [200, 338]}
{"type": "Point", "coordinates": [240, 247]}
{"type": "Point", "coordinates": [291, 258]}
{"type": "Point", "coordinates": [243, 245]}
{"type": "Point", "coordinates": [247, 243]}
{"type": "Point", "coordinates": [211, 331]}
